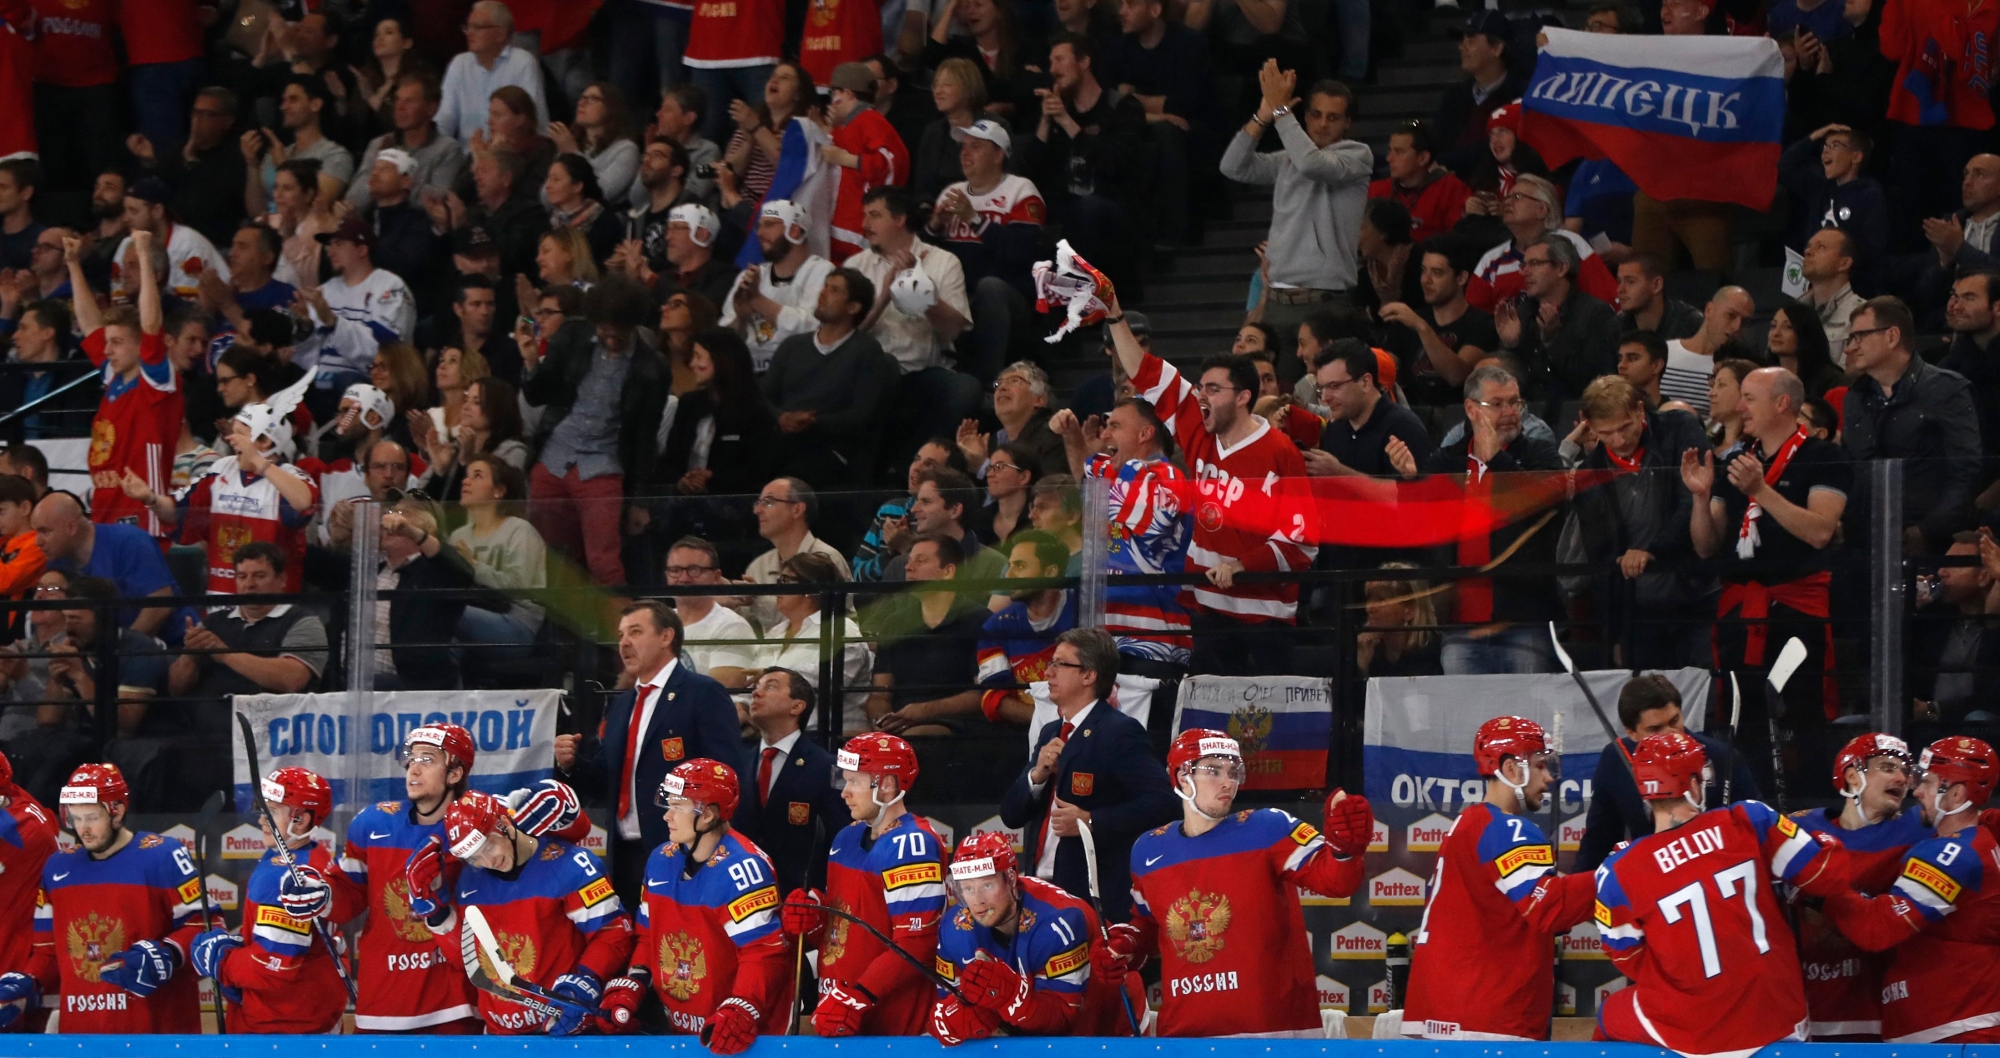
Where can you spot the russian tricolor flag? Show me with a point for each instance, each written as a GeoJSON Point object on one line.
{"type": "Point", "coordinates": [1684, 117]}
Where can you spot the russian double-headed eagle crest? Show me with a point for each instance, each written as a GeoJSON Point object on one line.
{"type": "Point", "coordinates": [93, 939]}
{"type": "Point", "coordinates": [396, 901]}
{"type": "Point", "coordinates": [517, 950]}
{"type": "Point", "coordinates": [1196, 922]}
{"type": "Point", "coordinates": [683, 965]}
{"type": "Point", "coordinates": [1250, 726]}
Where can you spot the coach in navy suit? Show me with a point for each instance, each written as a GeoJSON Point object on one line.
{"type": "Point", "coordinates": [789, 806]}
{"type": "Point", "coordinates": [683, 715]}
{"type": "Point", "coordinates": [1092, 763]}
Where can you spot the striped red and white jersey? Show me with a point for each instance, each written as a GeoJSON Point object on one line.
{"type": "Point", "coordinates": [1151, 501]}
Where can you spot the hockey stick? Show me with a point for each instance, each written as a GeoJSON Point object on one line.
{"type": "Point", "coordinates": [798, 979]}
{"type": "Point", "coordinates": [285, 850]}
{"type": "Point", "coordinates": [481, 932]}
{"type": "Point", "coordinates": [1097, 903]}
{"type": "Point", "coordinates": [1789, 659]}
{"type": "Point", "coordinates": [204, 824]}
{"type": "Point", "coordinates": [1735, 717]}
{"type": "Point", "coordinates": [1609, 731]}
{"type": "Point", "coordinates": [936, 978]}
{"type": "Point", "coordinates": [468, 950]}
{"type": "Point", "coordinates": [1555, 779]}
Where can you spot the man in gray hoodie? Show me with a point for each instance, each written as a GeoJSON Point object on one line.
{"type": "Point", "coordinates": [1320, 182]}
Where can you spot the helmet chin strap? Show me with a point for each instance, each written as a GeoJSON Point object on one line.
{"type": "Point", "coordinates": [882, 807]}
{"type": "Point", "coordinates": [1945, 813]}
{"type": "Point", "coordinates": [1188, 795]}
{"type": "Point", "coordinates": [1855, 796]}
{"type": "Point", "coordinates": [1697, 801]}
{"type": "Point", "coordinates": [1520, 788]}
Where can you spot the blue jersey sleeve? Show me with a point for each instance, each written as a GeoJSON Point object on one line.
{"type": "Point", "coordinates": [1938, 873]}
{"type": "Point", "coordinates": [1617, 925]}
{"type": "Point", "coordinates": [911, 863]}
{"type": "Point", "coordinates": [751, 896]}
{"type": "Point", "coordinates": [1793, 853]}
{"type": "Point", "coordinates": [1519, 854]}
{"type": "Point", "coordinates": [1059, 952]}
{"type": "Point", "coordinates": [354, 855]}
{"type": "Point", "coordinates": [957, 943]}
{"type": "Point", "coordinates": [590, 905]}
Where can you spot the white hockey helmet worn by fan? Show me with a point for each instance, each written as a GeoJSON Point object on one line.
{"type": "Point", "coordinates": [375, 407]}
{"type": "Point", "coordinates": [700, 220]}
{"type": "Point", "coordinates": [793, 214]}
{"type": "Point", "coordinates": [913, 292]}
{"type": "Point", "coordinates": [267, 419]}
{"type": "Point", "coordinates": [1069, 281]}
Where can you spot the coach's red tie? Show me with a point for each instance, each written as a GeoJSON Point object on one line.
{"type": "Point", "coordinates": [764, 775]}
{"type": "Point", "coordinates": [1067, 729]}
{"type": "Point", "coordinates": [632, 750]}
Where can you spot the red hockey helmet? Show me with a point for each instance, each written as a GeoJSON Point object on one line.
{"type": "Point", "coordinates": [454, 740]}
{"type": "Point", "coordinates": [6, 773]}
{"type": "Point", "coordinates": [703, 781]}
{"type": "Point", "coordinates": [1860, 751]}
{"type": "Point", "coordinates": [96, 784]}
{"type": "Point", "coordinates": [877, 755]}
{"type": "Point", "coordinates": [301, 789]}
{"type": "Point", "coordinates": [1666, 764]}
{"type": "Point", "coordinates": [470, 819]}
{"type": "Point", "coordinates": [1506, 736]}
{"type": "Point", "coordinates": [1952, 760]}
{"type": "Point", "coordinates": [986, 855]}
{"type": "Point", "coordinates": [1198, 742]}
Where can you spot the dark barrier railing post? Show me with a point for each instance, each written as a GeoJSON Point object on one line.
{"type": "Point", "coordinates": [829, 671]}
{"type": "Point", "coordinates": [1886, 590]}
{"type": "Point", "coordinates": [107, 676]}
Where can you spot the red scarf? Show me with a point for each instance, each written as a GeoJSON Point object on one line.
{"type": "Point", "coordinates": [1746, 535]}
{"type": "Point", "coordinates": [1621, 465]}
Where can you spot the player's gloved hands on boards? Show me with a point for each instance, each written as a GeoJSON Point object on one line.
{"type": "Point", "coordinates": [622, 996]}
{"type": "Point", "coordinates": [18, 994]}
{"type": "Point", "coordinates": [1350, 824]}
{"type": "Point", "coordinates": [954, 1023]}
{"type": "Point", "coordinates": [141, 968]}
{"type": "Point", "coordinates": [991, 984]}
{"type": "Point", "coordinates": [548, 807]}
{"type": "Point", "coordinates": [803, 914]}
{"type": "Point", "coordinates": [841, 1004]}
{"type": "Point", "coordinates": [422, 874]}
{"type": "Point", "coordinates": [207, 954]}
{"type": "Point", "coordinates": [732, 1028]}
{"type": "Point", "coordinates": [1118, 953]}
{"type": "Point", "coordinates": [583, 990]}
{"type": "Point", "coordinates": [304, 893]}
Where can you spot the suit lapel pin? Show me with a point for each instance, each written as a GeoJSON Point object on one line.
{"type": "Point", "coordinates": [670, 696]}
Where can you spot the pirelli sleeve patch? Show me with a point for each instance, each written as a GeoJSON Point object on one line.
{"type": "Point", "coordinates": [750, 903]}
{"type": "Point", "coordinates": [946, 968]}
{"type": "Point", "coordinates": [276, 917]}
{"type": "Point", "coordinates": [1066, 963]}
{"type": "Point", "coordinates": [913, 874]}
{"type": "Point", "coordinates": [1304, 833]}
{"type": "Point", "coordinates": [1603, 914]}
{"type": "Point", "coordinates": [1933, 879]}
{"type": "Point", "coordinates": [1787, 827]}
{"type": "Point", "coordinates": [596, 892]}
{"type": "Point", "coordinates": [190, 891]}
{"type": "Point", "coordinates": [1525, 856]}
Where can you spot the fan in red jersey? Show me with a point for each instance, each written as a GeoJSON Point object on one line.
{"type": "Point", "coordinates": [1479, 964]}
{"type": "Point", "coordinates": [138, 422]}
{"type": "Point", "coordinates": [1843, 983]}
{"type": "Point", "coordinates": [886, 868]}
{"type": "Point", "coordinates": [1216, 897]}
{"type": "Point", "coordinates": [117, 917]}
{"type": "Point", "coordinates": [1942, 912]}
{"type": "Point", "coordinates": [278, 976]}
{"type": "Point", "coordinates": [27, 840]}
{"type": "Point", "coordinates": [1691, 914]}
{"type": "Point", "coordinates": [709, 941]}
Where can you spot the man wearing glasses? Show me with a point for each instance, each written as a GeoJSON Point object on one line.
{"type": "Point", "coordinates": [1534, 209]}
{"type": "Point", "coordinates": [716, 635]}
{"type": "Point", "coordinates": [1570, 335]}
{"type": "Point", "coordinates": [206, 173]}
{"type": "Point", "coordinates": [487, 65]}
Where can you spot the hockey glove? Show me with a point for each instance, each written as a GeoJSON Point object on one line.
{"type": "Point", "coordinates": [622, 996]}
{"type": "Point", "coordinates": [732, 1028]}
{"type": "Point", "coordinates": [422, 874]}
{"type": "Point", "coordinates": [992, 985]}
{"type": "Point", "coordinates": [304, 893]}
{"type": "Point", "coordinates": [841, 1004]}
{"type": "Point", "coordinates": [141, 968]}
{"type": "Point", "coordinates": [1118, 953]}
{"type": "Point", "coordinates": [209, 951]}
{"type": "Point", "coordinates": [802, 915]}
{"type": "Point", "coordinates": [582, 989]}
{"type": "Point", "coordinates": [1350, 824]}
{"type": "Point", "coordinates": [548, 807]}
{"type": "Point", "coordinates": [954, 1023]}
{"type": "Point", "coordinates": [18, 994]}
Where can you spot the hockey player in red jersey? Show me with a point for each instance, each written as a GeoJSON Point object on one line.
{"type": "Point", "coordinates": [1942, 912]}
{"type": "Point", "coordinates": [549, 903]}
{"type": "Point", "coordinates": [1216, 897]}
{"type": "Point", "coordinates": [1019, 950]}
{"type": "Point", "coordinates": [1690, 914]}
{"type": "Point", "coordinates": [278, 975]}
{"type": "Point", "coordinates": [1843, 982]}
{"type": "Point", "coordinates": [117, 916]}
{"type": "Point", "coordinates": [886, 868]}
{"type": "Point", "coordinates": [405, 983]}
{"type": "Point", "coordinates": [27, 840]}
{"type": "Point", "coordinates": [709, 942]}
{"type": "Point", "coordinates": [1480, 965]}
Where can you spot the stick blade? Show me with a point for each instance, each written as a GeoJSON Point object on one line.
{"type": "Point", "coordinates": [1561, 654]}
{"type": "Point", "coordinates": [481, 931]}
{"type": "Point", "coordinates": [1789, 660]}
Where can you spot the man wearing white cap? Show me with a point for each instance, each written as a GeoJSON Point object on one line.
{"type": "Point", "coordinates": [439, 159]}
{"type": "Point", "coordinates": [992, 220]}
{"type": "Point", "coordinates": [405, 245]}
{"type": "Point", "coordinates": [774, 301]}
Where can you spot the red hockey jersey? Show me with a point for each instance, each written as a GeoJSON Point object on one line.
{"type": "Point", "coordinates": [885, 159]}
{"type": "Point", "coordinates": [1942, 917]}
{"type": "Point", "coordinates": [1222, 912]}
{"type": "Point", "coordinates": [730, 33]}
{"type": "Point", "coordinates": [138, 425]}
{"type": "Point", "coordinates": [1480, 964]}
{"type": "Point", "coordinates": [839, 31]}
{"type": "Point", "coordinates": [1943, 53]}
{"type": "Point", "coordinates": [92, 909]}
{"type": "Point", "coordinates": [715, 936]}
{"type": "Point", "coordinates": [283, 970]}
{"type": "Point", "coordinates": [27, 840]}
{"type": "Point", "coordinates": [1435, 205]}
{"type": "Point", "coordinates": [556, 913]}
{"type": "Point", "coordinates": [896, 883]}
{"type": "Point", "coordinates": [1251, 503]}
{"type": "Point", "coordinates": [1691, 916]}
{"type": "Point", "coordinates": [1497, 277]}
{"type": "Point", "coordinates": [228, 507]}
{"type": "Point", "coordinates": [73, 42]}
{"type": "Point", "coordinates": [17, 79]}
{"type": "Point", "coordinates": [1844, 982]}
{"type": "Point", "coordinates": [405, 982]}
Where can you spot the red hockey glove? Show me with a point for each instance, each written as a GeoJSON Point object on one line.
{"type": "Point", "coordinates": [622, 996]}
{"type": "Point", "coordinates": [732, 1028]}
{"type": "Point", "coordinates": [422, 874]}
{"type": "Point", "coordinates": [992, 984]}
{"type": "Point", "coordinates": [954, 1023]}
{"type": "Point", "coordinates": [803, 914]}
{"type": "Point", "coordinates": [1350, 824]}
{"type": "Point", "coordinates": [841, 1004]}
{"type": "Point", "coordinates": [1118, 953]}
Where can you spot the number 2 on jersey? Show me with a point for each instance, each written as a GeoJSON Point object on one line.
{"type": "Point", "coordinates": [1691, 901]}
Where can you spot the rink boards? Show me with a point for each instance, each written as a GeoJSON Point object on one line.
{"type": "Point", "coordinates": [810, 1047]}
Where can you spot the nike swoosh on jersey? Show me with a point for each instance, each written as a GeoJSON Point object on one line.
{"type": "Point", "coordinates": [59, 877]}
{"type": "Point", "coordinates": [650, 882]}
{"type": "Point", "coordinates": [372, 836]}
{"type": "Point", "coordinates": [1154, 860]}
